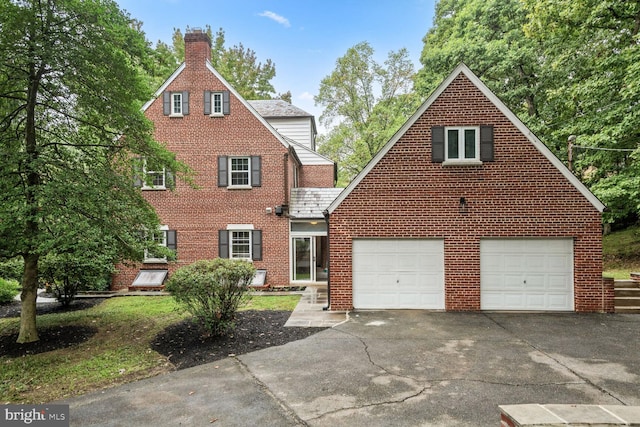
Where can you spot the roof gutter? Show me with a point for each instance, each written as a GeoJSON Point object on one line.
{"type": "Point", "coordinates": [326, 219]}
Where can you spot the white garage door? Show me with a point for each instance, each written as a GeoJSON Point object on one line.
{"type": "Point", "coordinates": [526, 274]}
{"type": "Point", "coordinates": [398, 273]}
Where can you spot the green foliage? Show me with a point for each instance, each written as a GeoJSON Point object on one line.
{"type": "Point", "coordinates": [69, 273]}
{"type": "Point", "coordinates": [212, 291]}
{"type": "Point", "coordinates": [8, 290]}
{"type": "Point", "coordinates": [12, 269]}
{"type": "Point", "coordinates": [71, 85]}
{"type": "Point", "coordinates": [565, 67]}
{"type": "Point", "coordinates": [237, 64]}
{"type": "Point", "coordinates": [368, 101]}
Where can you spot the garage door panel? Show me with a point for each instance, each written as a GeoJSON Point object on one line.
{"type": "Point", "coordinates": [530, 274]}
{"type": "Point", "coordinates": [406, 273]}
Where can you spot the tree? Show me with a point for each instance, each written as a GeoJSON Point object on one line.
{"type": "Point", "coordinates": [237, 64]}
{"type": "Point", "coordinates": [591, 50]}
{"type": "Point", "coordinates": [70, 87]}
{"type": "Point", "coordinates": [488, 36]}
{"type": "Point", "coordinates": [565, 68]}
{"type": "Point", "coordinates": [367, 102]}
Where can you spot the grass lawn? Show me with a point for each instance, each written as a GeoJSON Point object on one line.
{"type": "Point", "coordinates": [621, 253]}
{"type": "Point", "coordinates": [117, 353]}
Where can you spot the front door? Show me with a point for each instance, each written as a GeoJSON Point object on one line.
{"type": "Point", "coordinates": [303, 259]}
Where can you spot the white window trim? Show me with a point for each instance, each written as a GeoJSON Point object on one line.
{"type": "Point", "coordinates": [145, 172]}
{"type": "Point", "coordinates": [461, 146]}
{"type": "Point", "coordinates": [215, 113]}
{"type": "Point", "coordinates": [163, 260]}
{"type": "Point", "coordinates": [230, 173]}
{"type": "Point", "coordinates": [175, 113]}
{"type": "Point", "coordinates": [241, 230]}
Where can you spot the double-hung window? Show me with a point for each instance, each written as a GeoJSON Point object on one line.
{"type": "Point", "coordinates": [176, 103]}
{"type": "Point", "coordinates": [239, 172]}
{"type": "Point", "coordinates": [216, 103]}
{"type": "Point", "coordinates": [240, 245]}
{"type": "Point", "coordinates": [462, 144]}
{"type": "Point", "coordinates": [155, 177]}
{"type": "Point", "coordinates": [240, 241]}
{"type": "Point", "coordinates": [159, 237]}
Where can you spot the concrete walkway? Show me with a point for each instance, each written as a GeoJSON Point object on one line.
{"type": "Point", "coordinates": [310, 311]}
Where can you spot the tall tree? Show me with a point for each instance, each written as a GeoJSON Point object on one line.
{"type": "Point", "coordinates": [237, 64]}
{"type": "Point", "coordinates": [488, 36]}
{"type": "Point", "coordinates": [70, 88]}
{"type": "Point", "coordinates": [591, 51]}
{"type": "Point", "coordinates": [367, 102]}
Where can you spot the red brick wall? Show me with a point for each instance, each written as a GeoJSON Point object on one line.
{"type": "Point", "coordinates": [316, 176]}
{"type": "Point", "coordinates": [520, 194]}
{"type": "Point", "coordinates": [197, 140]}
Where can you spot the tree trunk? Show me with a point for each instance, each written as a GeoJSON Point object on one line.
{"type": "Point", "coordinates": [28, 330]}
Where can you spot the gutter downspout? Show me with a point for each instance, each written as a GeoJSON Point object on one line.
{"type": "Point", "coordinates": [326, 219]}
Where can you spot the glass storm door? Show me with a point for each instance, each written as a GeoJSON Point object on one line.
{"type": "Point", "coordinates": [303, 259]}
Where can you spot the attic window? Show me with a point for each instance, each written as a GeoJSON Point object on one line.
{"type": "Point", "coordinates": [216, 104]}
{"type": "Point", "coordinates": [462, 145]}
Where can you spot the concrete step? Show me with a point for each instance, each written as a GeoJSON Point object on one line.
{"type": "Point", "coordinates": [627, 310]}
{"type": "Point", "coordinates": [627, 302]}
{"type": "Point", "coordinates": [627, 292]}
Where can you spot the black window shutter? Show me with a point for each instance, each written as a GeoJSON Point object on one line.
{"type": "Point", "coordinates": [256, 245]}
{"type": "Point", "coordinates": [207, 102]}
{"type": "Point", "coordinates": [486, 144]}
{"type": "Point", "coordinates": [185, 103]}
{"type": "Point", "coordinates": [256, 171]}
{"type": "Point", "coordinates": [437, 144]}
{"type": "Point", "coordinates": [166, 103]}
{"type": "Point", "coordinates": [223, 243]}
{"type": "Point", "coordinates": [223, 176]}
{"type": "Point", "coordinates": [172, 239]}
{"type": "Point", "coordinates": [226, 103]}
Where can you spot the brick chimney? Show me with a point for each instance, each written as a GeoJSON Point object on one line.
{"type": "Point", "coordinates": [197, 47]}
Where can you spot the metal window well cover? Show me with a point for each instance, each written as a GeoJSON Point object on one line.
{"type": "Point", "coordinates": [260, 278]}
{"type": "Point", "coordinates": [150, 278]}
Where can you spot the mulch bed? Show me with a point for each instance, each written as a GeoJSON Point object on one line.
{"type": "Point", "coordinates": [185, 343]}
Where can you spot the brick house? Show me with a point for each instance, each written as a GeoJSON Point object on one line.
{"type": "Point", "coordinates": [465, 209]}
{"type": "Point", "coordinates": [247, 173]}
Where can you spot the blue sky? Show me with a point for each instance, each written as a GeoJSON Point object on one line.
{"type": "Point", "coordinates": [303, 38]}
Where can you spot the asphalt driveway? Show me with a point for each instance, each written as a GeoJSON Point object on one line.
{"type": "Point", "coordinates": [401, 368]}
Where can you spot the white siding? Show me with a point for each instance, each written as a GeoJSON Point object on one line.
{"type": "Point", "coordinates": [297, 128]}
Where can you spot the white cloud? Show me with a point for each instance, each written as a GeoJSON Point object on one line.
{"type": "Point", "coordinates": [278, 18]}
{"type": "Point", "coordinates": [306, 96]}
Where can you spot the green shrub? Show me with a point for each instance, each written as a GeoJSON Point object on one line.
{"type": "Point", "coordinates": [212, 291]}
{"type": "Point", "coordinates": [12, 269]}
{"type": "Point", "coordinates": [8, 290]}
{"type": "Point", "coordinates": [66, 274]}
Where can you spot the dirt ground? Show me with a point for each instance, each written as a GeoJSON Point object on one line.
{"type": "Point", "coordinates": [184, 343]}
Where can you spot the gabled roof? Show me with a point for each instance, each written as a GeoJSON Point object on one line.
{"type": "Point", "coordinates": [310, 203]}
{"type": "Point", "coordinates": [539, 145]}
{"type": "Point", "coordinates": [277, 108]}
{"type": "Point", "coordinates": [181, 68]}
